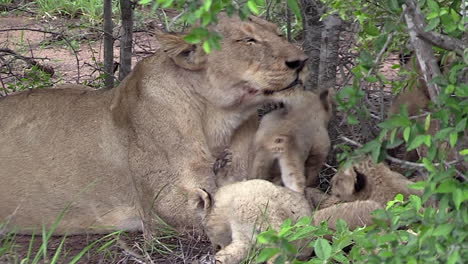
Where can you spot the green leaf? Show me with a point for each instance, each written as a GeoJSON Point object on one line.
{"type": "Point", "coordinates": [207, 5]}
{"type": "Point", "coordinates": [267, 237]}
{"type": "Point", "coordinates": [427, 122]}
{"type": "Point", "coordinates": [453, 139]}
{"type": "Point", "coordinates": [461, 126]}
{"type": "Point", "coordinates": [322, 249]}
{"type": "Point", "coordinates": [253, 7]}
{"type": "Point", "coordinates": [398, 199]}
{"type": "Point", "coordinates": [443, 230]}
{"type": "Point", "coordinates": [443, 133]}
{"type": "Point", "coordinates": [433, 23]}
{"type": "Point", "coordinates": [433, 6]}
{"type": "Point", "coordinates": [371, 29]}
{"type": "Point", "coordinates": [266, 254]}
{"type": "Point", "coordinates": [206, 46]}
{"type": "Point", "coordinates": [295, 8]}
{"type": "Point", "coordinates": [454, 257]}
{"type": "Point", "coordinates": [458, 198]}
{"type": "Point", "coordinates": [406, 134]}
{"type": "Point", "coordinates": [418, 185]}
{"type": "Point", "coordinates": [447, 186]}
{"type": "Point", "coordinates": [449, 89]}
{"type": "Point", "coordinates": [464, 152]}
{"type": "Point", "coordinates": [416, 201]}
{"type": "Point", "coordinates": [416, 142]}
{"type": "Point", "coordinates": [428, 165]}
{"type": "Point", "coordinates": [352, 120]}
{"type": "Point", "coordinates": [393, 5]}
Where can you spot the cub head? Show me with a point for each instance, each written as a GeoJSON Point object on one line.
{"type": "Point", "coordinates": [351, 183]}
{"type": "Point", "coordinates": [215, 226]}
{"type": "Point", "coordinates": [255, 61]}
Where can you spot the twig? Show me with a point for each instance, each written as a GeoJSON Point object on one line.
{"type": "Point", "coordinates": [440, 40]}
{"type": "Point", "coordinates": [29, 60]}
{"type": "Point", "coordinates": [56, 34]}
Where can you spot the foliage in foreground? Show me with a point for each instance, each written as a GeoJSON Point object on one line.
{"type": "Point", "coordinates": [407, 231]}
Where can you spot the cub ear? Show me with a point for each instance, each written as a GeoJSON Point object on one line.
{"type": "Point", "coordinates": [200, 201]}
{"type": "Point", "coordinates": [185, 55]}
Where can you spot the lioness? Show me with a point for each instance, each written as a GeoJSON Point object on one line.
{"type": "Point", "coordinates": [295, 136]}
{"type": "Point", "coordinates": [124, 158]}
{"type": "Point", "coordinates": [237, 212]}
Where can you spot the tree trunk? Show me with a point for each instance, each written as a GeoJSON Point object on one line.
{"type": "Point", "coordinates": [329, 49]}
{"type": "Point", "coordinates": [424, 53]}
{"type": "Point", "coordinates": [311, 12]}
{"type": "Point", "coordinates": [108, 45]}
{"type": "Point", "coordinates": [126, 10]}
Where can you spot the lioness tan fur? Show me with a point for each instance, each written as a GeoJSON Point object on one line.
{"type": "Point", "coordinates": [116, 159]}
{"type": "Point", "coordinates": [365, 180]}
{"type": "Point", "coordinates": [238, 212]}
{"type": "Point", "coordinates": [295, 136]}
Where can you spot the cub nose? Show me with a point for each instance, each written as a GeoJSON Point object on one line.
{"type": "Point", "coordinates": [296, 64]}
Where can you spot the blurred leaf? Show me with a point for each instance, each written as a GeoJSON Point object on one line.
{"type": "Point", "coordinates": [294, 8]}
{"type": "Point", "coordinates": [427, 122]}
{"type": "Point", "coordinates": [406, 133]}
{"type": "Point", "coordinates": [322, 249]}
{"type": "Point", "coordinates": [447, 186]}
{"type": "Point", "coordinates": [433, 23]}
{"type": "Point", "coordinates": [253, 7]}
{"type": "Point", "coordinates": [371, 29]}
{"type": "Point", "coordinates": [458, 198]}
{"type": "Point", "coordinates": [206, 46]}
{"type": "Point", "coordinates": [352, 120]}
{"type": "Point", "coordinates": [266, 254]}
{"type": "Point", "coordinates": [453, 139]}
{"type": "Point", "coordinates": [443, 230]}
{"type": "Point", "coordinates": [416, 201]}
{"type": "Point", "coordinates": [416, 142]}
{"type": "Point", "coordinates": [428, 165]}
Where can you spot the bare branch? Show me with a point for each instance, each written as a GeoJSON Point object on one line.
{"type": "Point", "coordinates": [56, 34]}
{"type": "Point", "coordinates": [441, 41]}
{"type": "Point", "coordinates": [29, 60]}
{"type": "Point", "coordinates": [424, 53]}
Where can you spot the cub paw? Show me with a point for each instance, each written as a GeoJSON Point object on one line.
{"type": "Point", "coordinates": [223, 160]}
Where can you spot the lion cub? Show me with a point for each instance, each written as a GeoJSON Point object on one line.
{"type": "Point", "coordinates": [296, 136]}
{"type": "Point", "coordinates": [238, 212]}
{"type": "Point", "coordinates": [365, 180]}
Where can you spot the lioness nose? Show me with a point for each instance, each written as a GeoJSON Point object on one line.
{"type": "Point", "coordinates": [296, 64]}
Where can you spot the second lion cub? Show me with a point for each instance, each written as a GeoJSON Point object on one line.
{"type": "Point", "coordinates": [296, 136]}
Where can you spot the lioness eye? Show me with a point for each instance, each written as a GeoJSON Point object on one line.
{"type": "Point", "coordinates": [251, 40]}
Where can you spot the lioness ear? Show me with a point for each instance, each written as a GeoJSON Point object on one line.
{"type": "Point", "coordinates": [185, 55]}
{"type": "Point", "coordinates": [200, 201]}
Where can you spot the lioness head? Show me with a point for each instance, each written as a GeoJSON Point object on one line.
{"type": "Point", "coordinates": [254, 62]}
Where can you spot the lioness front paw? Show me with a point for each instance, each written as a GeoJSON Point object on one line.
{"type": "Point", "coordinates": [223, 161]}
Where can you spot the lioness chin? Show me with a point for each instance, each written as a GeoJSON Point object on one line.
{"type": "Point", "coordinates": [123, 158]}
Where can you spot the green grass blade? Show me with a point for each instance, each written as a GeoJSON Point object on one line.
{"type": "Point", "coordinates": [59, 249]}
